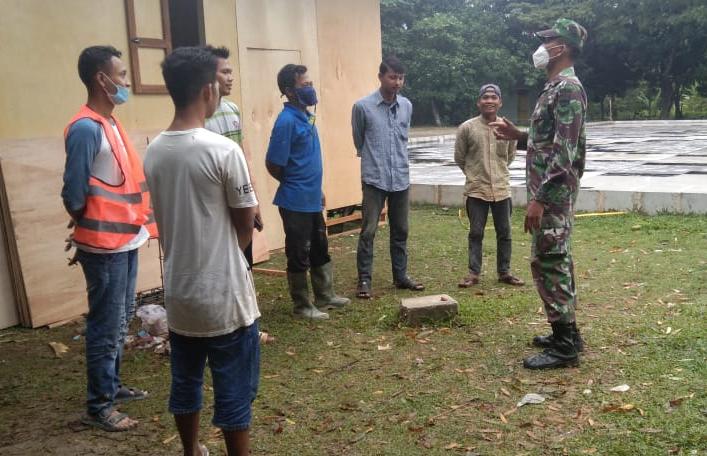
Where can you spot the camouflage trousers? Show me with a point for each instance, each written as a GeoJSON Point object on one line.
{"type": "Point", "coordinates": [553, 269]}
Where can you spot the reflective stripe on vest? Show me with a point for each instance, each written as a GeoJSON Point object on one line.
{"type": "Point", "coordinates": [114, 215]}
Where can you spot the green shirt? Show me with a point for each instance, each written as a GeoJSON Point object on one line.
{"type": "Point", "coordinates": [226, 121]}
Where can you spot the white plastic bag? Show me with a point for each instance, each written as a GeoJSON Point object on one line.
{"type": "Point", "coordinates": [154, 319]}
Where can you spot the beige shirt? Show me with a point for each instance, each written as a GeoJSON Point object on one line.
{"type": "Point", "coordinates": [484, 160]}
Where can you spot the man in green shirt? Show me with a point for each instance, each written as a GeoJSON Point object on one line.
{"type": "Point", "coordinates": [226, 121]}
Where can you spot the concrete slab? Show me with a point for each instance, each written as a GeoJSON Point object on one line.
{"type": "Point", "coordinates": [427, 309]}
{"type": "Point", "coordinates": [650, 166]}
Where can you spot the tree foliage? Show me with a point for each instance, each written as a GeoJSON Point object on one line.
{"type": "Point", "coordinates": [451, 47]}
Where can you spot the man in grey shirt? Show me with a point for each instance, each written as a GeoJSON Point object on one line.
{"type": "Point", "coordinates": [380, 125]}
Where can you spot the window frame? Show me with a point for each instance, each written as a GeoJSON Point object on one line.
{"type": "Point", "coordinates": [136, 42]}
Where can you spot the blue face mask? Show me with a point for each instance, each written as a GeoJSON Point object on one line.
{"type": "Point", "coordinates": [121, 94]}
{"type": "Point", "coordinates": [306, 95]}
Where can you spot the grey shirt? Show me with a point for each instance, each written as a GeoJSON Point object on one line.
{"type": "Point", "coordinates": [380, 134]}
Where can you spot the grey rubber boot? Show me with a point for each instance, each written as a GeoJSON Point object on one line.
{"type": "Point", "coordinates": [323, 286]}
{"type": "Point", "coordinates": [299, 291]}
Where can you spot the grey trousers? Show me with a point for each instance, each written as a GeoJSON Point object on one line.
{"type": "Point", "coordinates": [398, 208]}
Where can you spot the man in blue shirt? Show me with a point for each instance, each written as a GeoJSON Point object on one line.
{"type": "Point", "coordinates": [294, 158]}
{"type": "Point", "coordinates": [380, 125]}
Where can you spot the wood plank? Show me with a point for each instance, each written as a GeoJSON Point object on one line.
{"type": "Point", "coordinates": [32, 174]}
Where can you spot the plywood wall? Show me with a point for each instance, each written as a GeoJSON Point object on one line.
{"type": "Point", "coordinates": [338, 40]}
{"type": "Point", "coordinates": [32, 171]}
{"type": "Point", "coordinates": [271, 33]}
{"type": "Point", "coordinates": [349, 39]}
{"type": "Point", "coordinates": [8, 309]}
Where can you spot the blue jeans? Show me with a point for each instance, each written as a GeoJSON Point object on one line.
{"type": "Point", "coordinates": [234, 360]}
{"type": "Point", "coordinates": [110, 282]}
{"type": "Point", "coordinates": [372, 206]}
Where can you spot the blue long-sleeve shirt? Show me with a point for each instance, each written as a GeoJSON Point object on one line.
{"type": "Point", "coordinates": [380, 134]}
{"type": "Point", "coordinates": [83, 142]}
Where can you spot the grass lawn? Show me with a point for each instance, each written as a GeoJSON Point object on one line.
{"type": "Point", "coordinates": [362, 384]}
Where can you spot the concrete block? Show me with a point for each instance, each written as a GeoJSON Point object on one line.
{"type": "Point", "coordinates": [694, 203]}
{"type": "Point", "coordinates": [587, 200]}
{"type": "Point", "coordinates": [451, 195]}
{"type": "Point", "coordinates": [655, 202]}
{"type": "Point", "coordinates": [423, 194]}
{"type": "Point", "coordinates": [610, 200]}
{"type": "Point", "coordinates": [426, 309]}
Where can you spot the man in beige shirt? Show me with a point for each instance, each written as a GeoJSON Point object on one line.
{"type": "Point", "coordinates": [484, 161]}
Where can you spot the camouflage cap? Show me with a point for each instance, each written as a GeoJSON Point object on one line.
{"type": "Point", "coordinates": [567, 29]}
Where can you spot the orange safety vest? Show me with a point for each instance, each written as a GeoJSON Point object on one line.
{"type": "Point", "coordinates": [114, 214]}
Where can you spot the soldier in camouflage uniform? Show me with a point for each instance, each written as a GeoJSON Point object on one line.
{"type": "Point", "coordinates": [556, 148]}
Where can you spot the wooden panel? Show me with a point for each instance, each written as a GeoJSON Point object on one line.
{"type": "Point", "coordinates": [348, 71]}
{"type": "Point", "coordinates": [266, 42]}
{"type": "Point", "coordinates": [148, 18]}
{"type": "Point", "coordinates": [264, 106]}
{"type": "Point", "coordinates": [32, 172]}
{"type": "Point", "coordinates": [8, 307]}
{"type": "Point", "coordinates": [148, 27]}
{"type": "Point", "coordinates": [150, 70]}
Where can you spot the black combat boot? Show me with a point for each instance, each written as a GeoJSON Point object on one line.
{"type": "Point", "coordinates": [563, 353]}
{"type": "Point", "coordinates": [548, 341]}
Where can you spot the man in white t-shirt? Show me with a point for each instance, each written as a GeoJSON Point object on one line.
{"type": "Point", "coordinates": [205, 206]}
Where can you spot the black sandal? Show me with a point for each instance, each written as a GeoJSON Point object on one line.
{"type": "Point", "coordinates": [409, 284]}
{"type": "Point", "coordinates": [363, 291]}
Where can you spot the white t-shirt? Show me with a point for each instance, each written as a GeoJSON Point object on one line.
{"type": "Point", "coordinates": [194, 177]}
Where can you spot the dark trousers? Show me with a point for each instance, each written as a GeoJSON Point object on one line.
{"type": "Point", "coordinates": [306, 243]}
{"type": "Point", "coordinates": [477, 210]}
{"type": "Point", "coordinates": [398, 208]}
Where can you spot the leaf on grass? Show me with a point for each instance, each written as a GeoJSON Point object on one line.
{"type": "Point", "coordinates": [452, 446]}
{"type": "Point", "coordinates": [58, 348]}
{"type": "Point", "coordinates": [503, 418]}
{"type": "Point", "coordinates": [591, 422]}
{"type": "Point", "coordinates": [290, 353]}
{"type": "Point", "coordinates": [589, 451]}
{"type": "Point", "coordinates": [271, 376]}
{"type": "Point", "coordinates": [169, 439]}
{"type": "Point", "coordinates": [278, 426]}
{"type": "Point", "coordinates": [623, 408]}
{"type": "Point", "coordinates": [414, 428]}
{"type": "Point", "coordinates": [505, 392]}
{"type": "Point", "coordinates": [553, 408]}
{"type": "Point", "coordinates": [675, 403]}
{"type": "Point", "coordinates": [384, 347]}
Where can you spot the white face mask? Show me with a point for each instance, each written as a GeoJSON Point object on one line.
{"type": "Point", "coordinates": [541, 57]}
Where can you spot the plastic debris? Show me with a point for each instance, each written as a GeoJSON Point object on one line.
{"type": "Point", "coordinates": [531, 398]}
{"type": "Point", "coordinates": [154, 319]}
{"type": "Point", "coordinates": [621, 388]}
